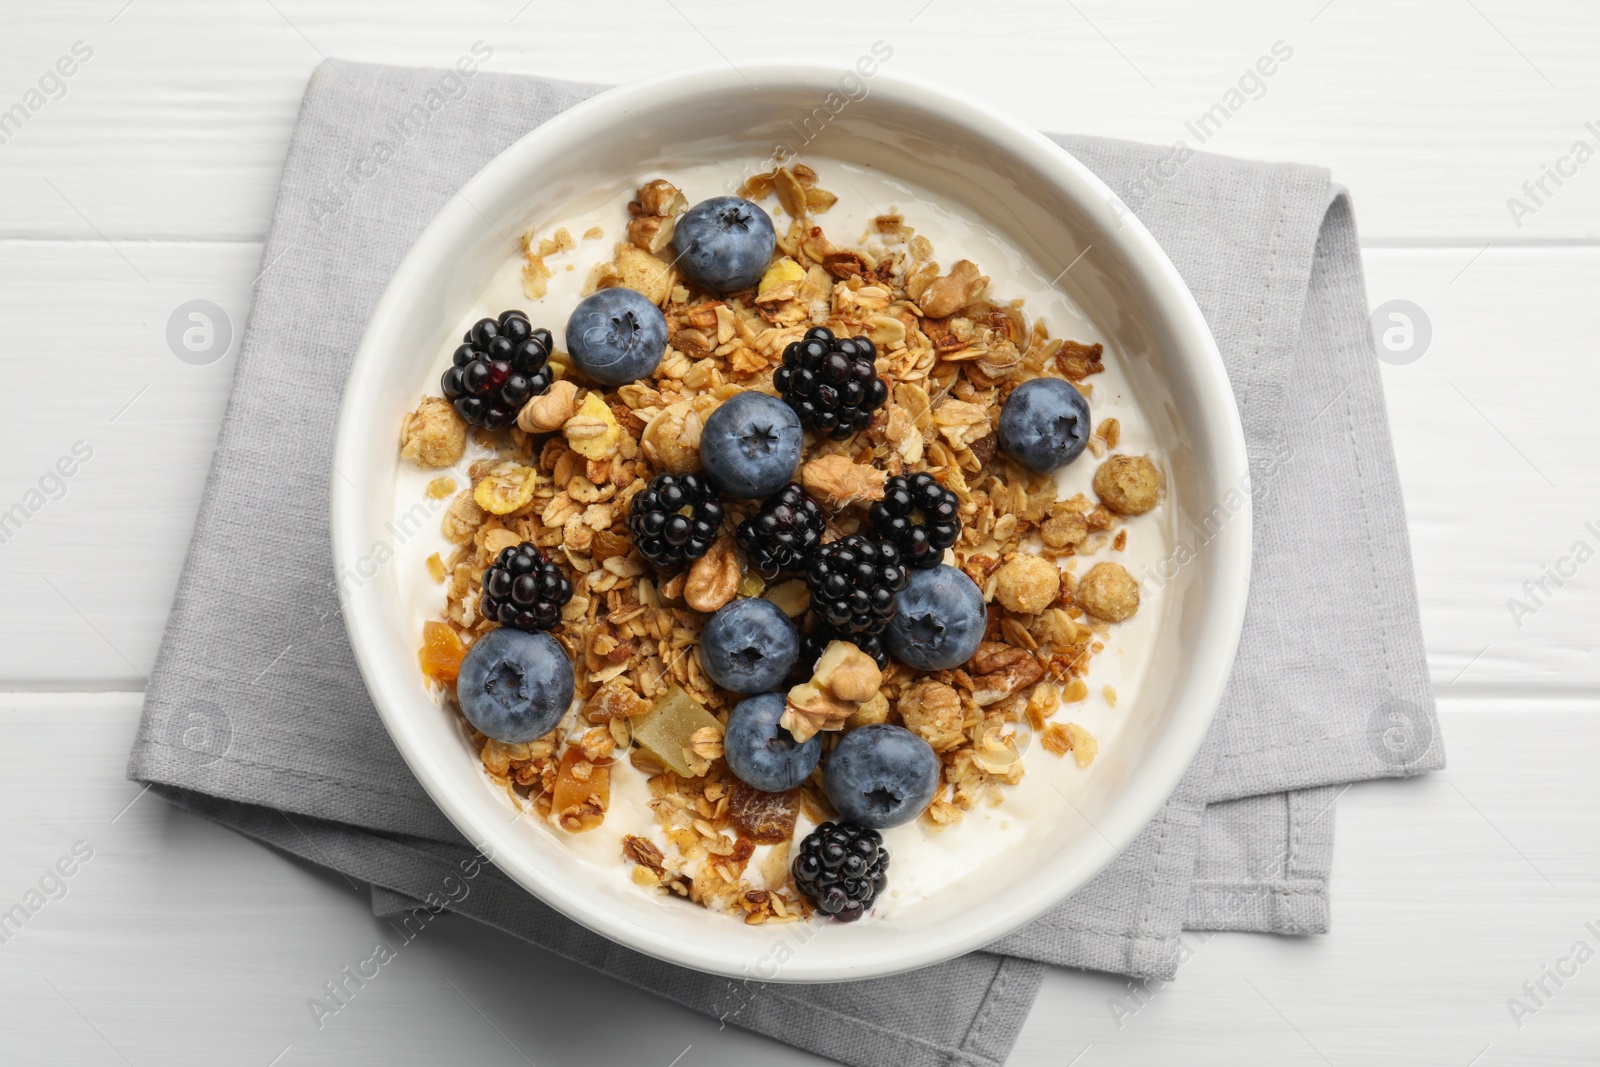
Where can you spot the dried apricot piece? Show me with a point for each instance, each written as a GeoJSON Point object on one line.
{"type": "Point", "coordinates": [765, 818]}
{"type": "Point", "coordinates": [582, 793]}
{"type": "Point", "coordinates": [441, 652]}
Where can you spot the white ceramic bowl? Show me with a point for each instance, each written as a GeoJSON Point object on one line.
{"type": "Point", "coordinates": [985, 165]}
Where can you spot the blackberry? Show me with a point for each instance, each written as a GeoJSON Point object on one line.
{"type": "Point", "coordinates": [920, 516]}
{"type": "Point", "coordinates": [501, 363]}
{"type": "Point", "coordinates": [830, 382]}
{"type": "Point", "coordinates": [785, 534]}
{"type": "Point", "coordinates": [674, 519]}
{"type": "Point", "coordinates": [842, 867]}
{"type": "Point", "coordinates": [524, 590]}
{"type": "Point", "coordinates": [814, 642]}
{"type": "Point", "coordinates": [853, 583]}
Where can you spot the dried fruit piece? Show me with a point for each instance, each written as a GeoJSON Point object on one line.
{"type": "Point", "coordinates": [441, 653]}
{"type": "Point", "coordinates": [506, 488]}
{"type": "Point", "coordinates": [765, 818]}
{"type": "Point", "coordinates": [582, 793]}
{"type": "Point", "coordinates": [593, 432]}
{"type": "Point", "coordinates": [669, 728]}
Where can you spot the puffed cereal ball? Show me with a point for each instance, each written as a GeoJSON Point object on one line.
{"type": "Point", "coordinates": [1128, 485]}
{"type": "Point", "coordinates": [1107, 591]}
{"type": "Point", "coordinates": [1028, 584]}
{"type": "Point", "coordinates": [433, 436]}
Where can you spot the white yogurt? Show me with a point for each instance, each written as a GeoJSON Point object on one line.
{"type": "Point", "coordinates": [925, 858]}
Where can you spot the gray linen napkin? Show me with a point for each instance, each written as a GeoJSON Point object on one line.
{"type": "Point", "coordinates": [256, 716]}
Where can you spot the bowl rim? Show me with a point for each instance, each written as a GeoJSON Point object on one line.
{"type": "Point", "coordinates": [1205, 679]}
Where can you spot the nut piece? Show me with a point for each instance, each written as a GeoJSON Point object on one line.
{"type": "Point", "coordinates": [714, 579]}
{"type": "Point", "coordinates": [847, 672]}
{"type": "Point", "coordinates": [434, 435]}
{"type": "Point", "coordinates": [1028, 584]}
{"type": "Point", "coordinates": [593, 432]}
{"type": "Point", "coordinates": [658, 197]}
{"type": "Point", "coordinates": [998, 670]}
{"type": "Point", "coordinates": [811, 708]}
{"type": "Point", "coordinates": [1108, 592]}
{"type": "Point", "coordinates": [932, 711]}
{"type": "Point", "coordinates": [837, 481]}
{"type": "Point", "coordinates": [548, 412]}
{"type": "Point", "coordinates": [844, 679]}
{"type": "Point", "coordinates": [950, 293]}
{"type": "Point", "coordinates": [651, 232]}
{"type": "Point", "coordinates": [1128, 485]}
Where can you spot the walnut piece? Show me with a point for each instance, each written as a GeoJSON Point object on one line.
{"type": "Point", "coordinates": [660, 198]}
{"type": "Point", "coordinates": [999, 670]}
{"type": "Point", "coordinates": [714, 579]}
{"type": "Point", "coordinates": [548, 412]}
{"type": "Point", "coordinates": [932, 711]}
{"type": "Point", "coordinates": [844, 679]}
{"type": "Point", "coordinates": [1107, 591]}
{"type": "Point", "coordinates": [838, 481]}
{"type": "Point", "coordinates": [434, 435]}
{"type": "Point", "coordinates": [847, 672]}
{"type": "Point", "coordinates": [1028, 584]}
{"type": "Point", "coordinates": [810, 708]}
{"type": "Point", "coordinates": [951, 292]}
{"type": "Point", "coordinates": [1128, 485]}
{"type": "Point", "coordinates": [651, 232]}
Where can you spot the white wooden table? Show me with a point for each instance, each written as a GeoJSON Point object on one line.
{"type": "Point", "coordinates": [145, 180]}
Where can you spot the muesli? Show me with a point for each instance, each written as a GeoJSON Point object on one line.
{"type": "Point", "coordinates": [777, 536]}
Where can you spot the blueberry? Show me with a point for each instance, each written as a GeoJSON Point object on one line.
{"type": "Point", "coordinates": [1044, 424]}
{"type": "Point", "coordinates": [881, 775]}
{"type": "Point", "coordinates": [761, 752]}
{"type": "Point", "coordinates": [751, 445]}
{"type": "Point", "coordinates": [939, 620]}
{"type": "Point", "coordinates": [724, 244]}
{"type": "Point", "coordinates": [616, 336]}
{"type": "Point", "coordinates": [515, 685]}
{"type": "Point", "coordinates": [749, 646]}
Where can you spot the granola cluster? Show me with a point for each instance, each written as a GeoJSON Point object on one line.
{"type": "Point", "coordinates": [563, 477]}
